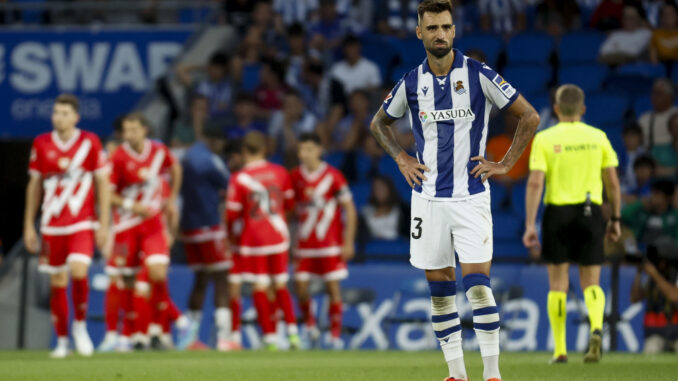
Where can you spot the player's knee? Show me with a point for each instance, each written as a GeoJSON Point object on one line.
{"type": "Point", "coordinates": [78, 270]}
{"type": "Point", "coordinates": [479, 294]}
{"type": "Point", "coordinates": [157, 273]}
{"type": "Point", "coordinates": [58, 279]}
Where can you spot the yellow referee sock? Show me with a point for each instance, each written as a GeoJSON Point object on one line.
{"type": "Point", "coordinates": [595, 303]}
{"type": "Point", "coordinates": [556, 306]}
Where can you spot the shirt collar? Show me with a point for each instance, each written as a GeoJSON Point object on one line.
{"type": "Point", "coordinates": [456, 64]}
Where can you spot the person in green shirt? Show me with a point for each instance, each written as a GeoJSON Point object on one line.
{"type": "Point", "coordinates": [653, 218]}
{"type": "Point", "coordinates": [666, 155]}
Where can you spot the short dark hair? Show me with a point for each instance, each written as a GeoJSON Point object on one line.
{"type": "Point", "coordinates": [233, 147]}
{"type": "Point", "coordinates": [350, 39]}
{"type": "Point", "coordinates": [254, 142]}
{"type": "Point", "coordinates": [137, 117]}
{"type": "Point", "coordinates": [633, 128]}
{"type": "Point", "coordinates": [68, 99]}
{"type": "Point", "coordinates": [667, 187]}
{"type": "Point", "coordinates": [393, 197]}
{"type": "Point", "coordinates": [644, 161]}
{"type": "Point", "coordinates": [310, 137]}
{"type": "Point", "coordinates": [219, 59]}
{"type": "Point", "coordinates": [296, 30]}
{"type": "Point", "coordinates": [277, 67]}
{"type": "Point", "coordinates": [245, 98]}
{"type": "Point", "coordinates": [434, 6]}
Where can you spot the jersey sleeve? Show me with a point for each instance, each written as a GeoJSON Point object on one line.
{"type": "Point", "coordinates": [35, 166]}
{"type": "Point", "coordinates": [538, 160]}
{"type": "Point", "coordinates": [499, 92]}
{"type": "Point", "coordinates": [395, 103]}
{"type": "Point", "coordinates": [170, 159]}
{"type": "Point", "coordinates": [609, 155]}
{"type": "Point", "coordinates": [235, 203]}
{"type": "Point", "coordinates": [116, 174]}
{"type": "Point", "coordinates": [341, 189]}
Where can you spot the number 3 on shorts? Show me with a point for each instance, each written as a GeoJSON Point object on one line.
{"type": "Point", "coordinates": [416, 234]}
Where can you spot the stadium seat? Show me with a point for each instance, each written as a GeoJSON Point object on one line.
{"type": "Point", "coordinates": [506, 226]}
{"type": "Point", "coordinates": [605, 108]}
{"type": "Point", "coordinates": [674, 72]}
{"type": "Point", "coordinates": [642, 104]}
{"type": "Point", "coordinates": [194, 15]}
{"type": "Point", "coordinates": [410, 50]}
{"type": "Point", "coordinates": [361, 193]}
{"type": "Point", "coordinates": [614, 135]}
{"type": "Point", "coordinates": [388, 167]}
{"type": "Point", "coordinates": [580, 47]}
{"type": "Point", "coordinates": [387, 249]}
{"type": "Point", "coordinates": [490, 45]}
{"type": "Point", "coordinates": [589, 77]}
{"type": "Point", "coordinates": [643, 70]}
{"type": "Point", "coordinates": [398, 72]}
{"type": "Point", "coordinates": [509, 249]}
{"type": "Point", "coordinates": [529, 48]}
{"type": "Point", "coordinates": [250, 77]}
{"type": "Point", "coordinates": [379, 50]}
{"type": "Point", "coordinates": [532, 79]}
{"type": "Point", "coordinates": [498, 193]}
{"type": "Point", "coordinates": [363, 165]}
{"type": "Point", "coordinates": [335, 159]}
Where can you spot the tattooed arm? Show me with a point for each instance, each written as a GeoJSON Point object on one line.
{"type": "Point", "coordinates": [409, 166]}
{"type": "Point", "coordinates": [527, 126]}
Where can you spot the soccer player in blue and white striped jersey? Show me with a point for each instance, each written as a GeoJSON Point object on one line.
{"type": "Point", "coordinates": [449, 98]}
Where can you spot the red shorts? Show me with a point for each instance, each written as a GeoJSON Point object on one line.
{"type": "Point", "coordinates": [327, 268]}
{"type": "Point", "coordinates": [206, 249]}
{"type": "Point", "coordinates": [235, 273]}
{"type": "Point", "coordinates": [143, 244]}
{"type": "Point", "coordinates": [264, 268]}
{"type": "Point", "coordinates": [59, 250]}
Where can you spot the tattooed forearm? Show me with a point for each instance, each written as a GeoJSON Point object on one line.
{"type": "Point", "coordinates": [382, 131]}
{"type": "Point", "coordinates": [527, 126]}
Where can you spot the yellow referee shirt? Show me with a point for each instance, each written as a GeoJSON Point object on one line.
{"type": "Point", "coordinates": [572, 155]}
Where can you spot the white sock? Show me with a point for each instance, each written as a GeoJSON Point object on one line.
{"type": "Point", "coordinates": [62, 342]}
{"type": "Point", "coordinates": [195, 316]}
{"type": "Point", "coordinates": [447, 326]}
{"type": "Point", "coordinates": [454, 356]}
{"type": "Point", "coordinates": [485, 321]}
{"type": "Point", "coordinates": [222, 319]}
{"type": "Point", "coordinates": [182, 322]}
{"type": "Point", "coordinates": [236, 337]}
{"type": "Point", "coordinates": [292, 329]}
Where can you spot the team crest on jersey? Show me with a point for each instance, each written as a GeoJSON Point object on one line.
{"type": "Point", "coordinates": [557, 148]}
{"type": "Point", "coordinates": [423, 116]}
{"type": "Point", "coordinates": [143, 173]}
{"type": "Point", "coordinates": [63, 162]}
{"type": "Point", "coordinates": [459, 88]}
{"type": "Point", "coordinates": [504, 86]}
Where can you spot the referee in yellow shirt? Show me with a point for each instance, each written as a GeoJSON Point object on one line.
{"type": "Point", "coordinates": [575, 159]}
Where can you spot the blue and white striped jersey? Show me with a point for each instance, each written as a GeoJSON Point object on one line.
{"type": "Point", "coordinates": [449, 116]}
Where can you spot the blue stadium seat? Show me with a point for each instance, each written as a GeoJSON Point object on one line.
{"type": "Point", "coordinates": [643, 70]}
{"type": "Point", "coordinates": [614, 135]}
{"type": "Point", "coordinates": [387, 249]}
{"type": "Point", "coordinates": [491, 45]}
{"type": "Point", "coordinates": [363, 165]}
{"type": "Point", "coordinates": [194, 15]}
{"type": "Point", "coordinates": [532, 79]}
{"type": "Point", "coordinates": [498, 194]}
{"type": "Point", "coordinates": [588, 77]}
{"type": "Point", "coordinates": [361, 193]}
{"type": "Point", "coordinates": [509, 249]}
{"type": "Point", "coordinates": [605, 108]}
{"type": "Point", "coordinates": [580, 47]}
{"type": "Point", "coordinates": [518, 199]}
{"type": "Point", "coordinates": [250, 77]}
{"type": "Point", "coordinates": [388, 167]}
{"type": "Point", "coordinates": [335, 159]}
{"type": "Point", "coordinates": [378, 49]}
{"type": "Point", "coordinates": [529, 48]}
{"type": "Point", "coordinates": [398, 72]}
{"type": "Point", "coordinates": [540, 101]}
{"type": "Point", "coordinates": [410, 50]}
{"type": "Point", "coordinates": [674, 72]}
{"type": "Point", "coordinates": [506, 226]}
{"type": "Point", "coordinates": [642, 104]}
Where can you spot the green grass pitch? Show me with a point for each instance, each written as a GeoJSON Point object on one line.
{"type": "Point", "coordinates": [323, 366]}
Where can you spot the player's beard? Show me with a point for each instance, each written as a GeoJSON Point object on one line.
{"type": "Point", "coordinates": [439, 51]}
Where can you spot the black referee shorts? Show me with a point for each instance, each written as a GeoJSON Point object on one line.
{"type": "Point", "coordinates": [569, 234]}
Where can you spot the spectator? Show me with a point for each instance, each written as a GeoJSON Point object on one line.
{"type": "Point", "coordinates": [666, 155]}
{"type": "Point", "coordinates": [644, 168]}
{"type": "Point", "coordinates": [664, 45]}
{"type": "Point", "coordinates": [272, 87]}
{"type": "Point", "coordinates": [217, 87]}
{"type": "Point", "coordinates": [296, 40]}
{"type": "Point", "coordinates": [655, 122]}
{"type": "Point", "coordinates": [190, 127]}
{"type": "Point", "coordinates": [314, 88]}
{"type": "Point", "coordinates": [295, 11]}
{"type": "Point", "coordinates": [653, 11]}
{"type": "Point", "coordinates": [355, 72]}
{"type": "Point", "coordinates": [398, 18]}
{"type": "Point", "coordinates": [497, 147]}
{"type": "Point", "coordinates": [287, 124]}
{"type": "Point", "coordinates": [359, 16]}
{"type": "Point", "coordinates": [653, 218]}
{"type": "Point", "coordinates": [245, 111]}
{"type": "Point", "coordinates": [633, 148]}
{"type": "Point", "coordinates": [239, 14]}
{"type": "Point", "coordinates": [629, 43]}
{"type": "Point", "coordinates": [558, 16]}
{"type": "Point", "coordinates": [352, 129]}
{"type": "Point", "coordinates": [264, 21]}
{"type": "Point", "coordinates": [608, 15]}
{"type": "Point", "coordinates": [502, 16]}
{"type": "Point", "coordinates": [327, 32]}
{"type": "Point", "coordinates": [384, 217]}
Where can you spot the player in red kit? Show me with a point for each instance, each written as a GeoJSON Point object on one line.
{"type": "Point", "coordinates": [138, 168]}
{"type": "Point", "coordinates": [324, 243]}
{"type": "Point", "coordinates": [66, 167]}
{"type": "Point", "coordinates": [260, 194]}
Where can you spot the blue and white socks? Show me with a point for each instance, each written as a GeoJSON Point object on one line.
{"type": "Point", "coordinates": [447, 326]}
{"type": "Point", "coordinates": [485, 321]}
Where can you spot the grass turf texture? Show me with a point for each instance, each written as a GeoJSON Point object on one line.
{"type": "Point", "coordinates": [323, 366]}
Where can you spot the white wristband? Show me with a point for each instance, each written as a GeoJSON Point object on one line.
{"type": "Point", "coordinates": [127, 204]}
